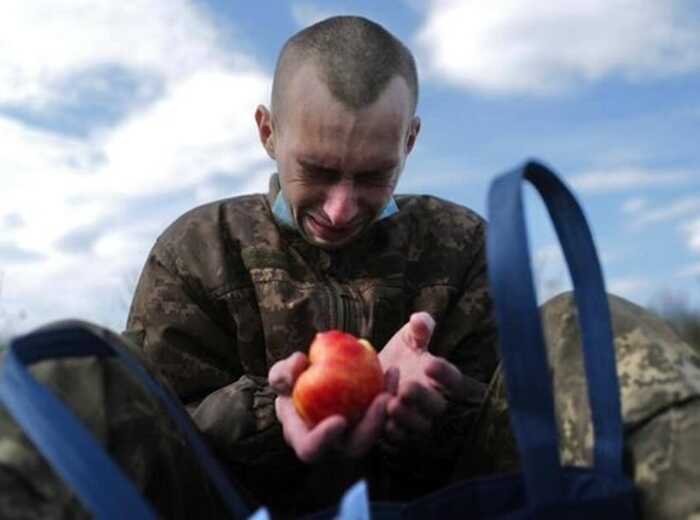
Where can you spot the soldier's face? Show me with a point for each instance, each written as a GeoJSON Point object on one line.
{"type": "Point", "coordinates": [338, 167]}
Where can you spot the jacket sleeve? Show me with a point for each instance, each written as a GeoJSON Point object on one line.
{"type": "Point", "coordinates": [178, 329]}
{"type": "Point", "coordinates": [466, 336]}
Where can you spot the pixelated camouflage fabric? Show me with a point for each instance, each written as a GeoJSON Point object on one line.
{"type": "Point", "coordinates": [659, 379]}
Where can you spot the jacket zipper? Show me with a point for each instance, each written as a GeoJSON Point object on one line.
{"type": "Point", "coordinates": [343, 306]}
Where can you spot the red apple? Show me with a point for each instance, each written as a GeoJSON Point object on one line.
{"type": "Point", "coordinates": [343, 377]}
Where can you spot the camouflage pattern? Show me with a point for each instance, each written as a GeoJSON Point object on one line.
{"type": "Point", "coordinates": [127, 421]}
{"type": "Point", "coordinates": [659, 379]}
{"type": "Point", "coordinates": [226, 291]}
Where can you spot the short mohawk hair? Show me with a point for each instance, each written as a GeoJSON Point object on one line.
{"type": "Point", "coordinates": [357, 58]}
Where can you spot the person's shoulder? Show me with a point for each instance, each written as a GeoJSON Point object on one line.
{"type": "Point", "coordinates": [207, 224]}
{"type": "Point", "coordinates": [432, 207]}
{"type": "Point", "coordinates": [440, 216]}
{"type": "Point", "coordinates": [442, 238]}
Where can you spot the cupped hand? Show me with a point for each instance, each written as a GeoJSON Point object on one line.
{"type": "Point", "coordinates": [332, 435]}
{"type": "Point", "coordinates": [426, 382]}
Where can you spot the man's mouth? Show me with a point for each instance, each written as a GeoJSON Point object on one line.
{"type": "Point", "coordinates": [328, 233]}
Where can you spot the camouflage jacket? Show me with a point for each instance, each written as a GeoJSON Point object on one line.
{"type": "Point", "coordinates": [226, 291]}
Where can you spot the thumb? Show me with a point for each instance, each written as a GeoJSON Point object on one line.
{"type": "Point", "coordinates": [419, 331]}
{"type": "Point", "coordinates": [283, 374]}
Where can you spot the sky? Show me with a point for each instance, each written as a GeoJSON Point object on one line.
{"type": "Point", "coordinates": [117, 117]}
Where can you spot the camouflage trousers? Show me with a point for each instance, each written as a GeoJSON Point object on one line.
{"type": "Point", "coordinates": [660, 389]}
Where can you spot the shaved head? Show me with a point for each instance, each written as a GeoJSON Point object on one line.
{"type": "Point", "coordinates": [355, 57]}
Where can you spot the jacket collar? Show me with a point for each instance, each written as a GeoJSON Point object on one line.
{"type": "Point", "coordinates": [283, 213]}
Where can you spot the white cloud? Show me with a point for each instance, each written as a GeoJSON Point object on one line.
{"type": "Point", "coordinates": [305, 13]}
{"type": "Point", "coordinates": [162, 158]}
{"type": "Point", "coordinates": [616, 180]}
{"type": "Point", "coordinates": [549, 255]}
{"type": "Point", "coordinates": [673, 210]}
{"type": "Point", "coordinates": [549, 271]}
{"type": "Point", "coordinates": [204, 124]}
{"type": "Point", "coordinates": [629, 288]}
{"type": "Point", "coordinates": [692, 234]}
{"type": "Point", "coordinates": [689, 271]}
{"type": "Point", "coordinates": [540, 47]}
{"type": "Point", "coordinates": [82, 287]}
{"type": "Point", "coordinates": [44, 42]}
{"type": "Point", "coordinates": [634, 205]}
{"type": "Point", "coordinates": [40, 171]}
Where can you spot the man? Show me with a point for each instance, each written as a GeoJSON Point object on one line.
{"type": "Point", "coordinates": [233, 292]}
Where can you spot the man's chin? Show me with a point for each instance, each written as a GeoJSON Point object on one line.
{"type": "Point", "coordinates": [326, 242]}
{"type": "Point", "coordinates": [330, 244]}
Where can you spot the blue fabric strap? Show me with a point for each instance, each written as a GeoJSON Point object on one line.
{"type": "Point", "coordinates": [68, 446]}
{"type": "Point", "coordinates": [522, 341]}
{"type": "Point", "coordinates": [65, 442]}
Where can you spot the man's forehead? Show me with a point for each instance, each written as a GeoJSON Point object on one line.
{"type": "Point", "coordinates": [335, 161]}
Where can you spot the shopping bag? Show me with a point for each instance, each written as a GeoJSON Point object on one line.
{"type": "Point", "coordinates": [68, 445]}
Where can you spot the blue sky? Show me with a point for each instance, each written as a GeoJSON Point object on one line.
{"type": "Point", "coordinates": [116, 117]}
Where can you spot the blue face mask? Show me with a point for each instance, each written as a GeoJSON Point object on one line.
{"type": "Point", "coordinates": [283, 212]}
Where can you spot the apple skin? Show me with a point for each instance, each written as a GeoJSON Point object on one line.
{"type": "Point", "coordinates": [343, 378]}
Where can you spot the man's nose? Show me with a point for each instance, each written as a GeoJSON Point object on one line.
{"type": "Point", "coordinates": [340, 205]}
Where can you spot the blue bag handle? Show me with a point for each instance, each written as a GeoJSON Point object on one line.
{"type": "Point", "coordinates": [69, 447]}
{"type": "Point", "coordinates": [525, 364]}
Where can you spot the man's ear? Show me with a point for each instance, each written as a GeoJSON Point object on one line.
{"type": "Point", "coordinates": [263, 119]}
{"type": "Point", "coordinates": [413, 130]}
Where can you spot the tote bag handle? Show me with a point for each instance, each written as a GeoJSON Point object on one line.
{"type": "Point", "coordinates": [522, 342]}
{"type": "Point", "coordinates": [68, 446]}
